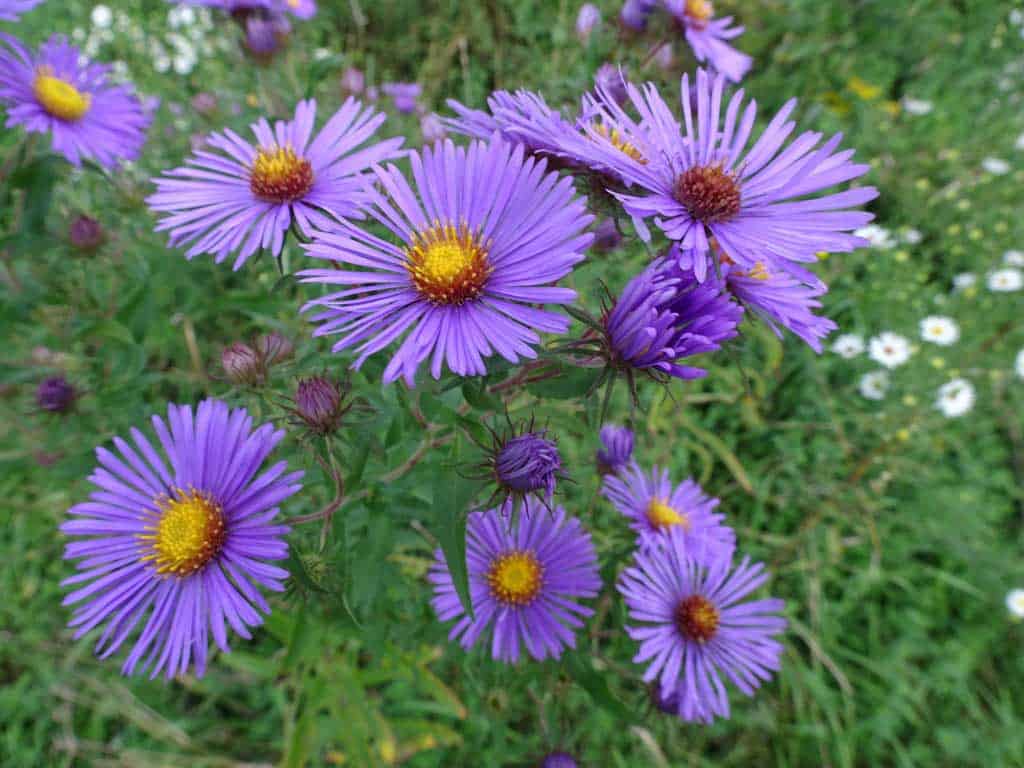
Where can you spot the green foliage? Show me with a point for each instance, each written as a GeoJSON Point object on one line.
{"type": "Point", "coordinates": [892, 532]}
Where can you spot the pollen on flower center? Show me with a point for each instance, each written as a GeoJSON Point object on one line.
{"type": "Point", "coordinates": [709, 193]}
{"type": "Point", "coordinates": [661, 515]}
{"type": "Point", "coordinates": [515, 578]}
{"type": "Point", "coordinates": [448, 264]}
{"type": "Point", "coordinates": [616, 139]}
{"type": "Point", "coordinates": [279, 175]}
{"type": "Point", "coordinates": [699, 11]}
{"type": "Point", "coordinates": [59, 97]}
{"type": "Point", "coordinates": [189, 533]}
{"type": "Point", "coordinates": [696, 618]}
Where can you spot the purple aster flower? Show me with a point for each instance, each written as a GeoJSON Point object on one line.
{"type": "Point", "coordinates": [754, 203]}
{"type": "Point", "coordinates": [300, 9]}
{"type": "Point", "coordinates": [693, 629]}
{"type": "Point", "coordinates": [707, 37]}
{"type": "Point", "coordinates": [525, 582]}
{"type": "Point", "coordinates": [245, 197]}
{"type": "Point", "coordinates": [403, 95]}
{"type": "Point", "coordinates": [616, 450]}
{"type": "Point", "coordinates": [665, 315]}
{"type": "Point", "coordinates": [182, 548]}
{"type": "Point", "coordinates": [241, 9]}
{"type": "Point", "coordinates": [11, 9]}
{"type": "Point", "coordinates": [59, 92]}
{"type": "Point", "coordinates": [481, 244]}
{"type": "Point", "coordinates": [559, 760]}
{"type": "Point", "coordinates": [587, 21]}
{"type": "Point", "coordinates": [266, 35]}
{"type": "Point", "coordinates": [55, 394]}
{"type": "Point", "coordinates": [654, 507]}
{"type": "Point", "coordinates": [635, 13]}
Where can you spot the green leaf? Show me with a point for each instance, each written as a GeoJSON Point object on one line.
{"type": "Point", "coordinates": [569, 383]}
{"type": "Point", "coordinates": [452, 497]}
{"type": "Point", "coordinates": [596, 684]}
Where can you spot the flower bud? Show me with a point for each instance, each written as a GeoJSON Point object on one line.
{"type": "Point", "coordinates": [204, 103]}
{"type": "Point", "coordinates": [242, 364]}
{"type": "Point", "coordinates": [606, 237]}
{"type": "Point", "coordinates": [85, 233]}
{"type": "Point", "coordinates": [55, 395]}
{"type": "Point", "coordinates": [274, 348]}
{"type": "Point", "coordinates": [353, 81]}
{"type": "Point", "coordinates": [616, 450]}
{"type": "Point", "coordinates": [266, 36]}
{"type": "Point", "coordinates": [403, 95]}
{"type": "Point", "coordinates": [587, 21]}
{"type": "Point", "coordinates": [528, 463]}
{"type": "Point", "coordinates": [634, 14]}
{"type": "Point", "coordinates": [559, 760]}
{"type": "Point", "coordinates": [320, 404]}
{"type": "Point", "coordinates": [432, 128]}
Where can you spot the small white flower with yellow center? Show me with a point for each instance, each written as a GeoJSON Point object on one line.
{"type": "Point", "coordinates": [912, 236]}
{"type": "Point", "coordinates": [877, 236]}
{"type": "Point", "coordinates": [964, 280]}
{"type": "Point", "coordinates": [889, 349]}
{"type": "Point", "coordinates": [1015, 603]}
{"type": "Point", "coordinates": [849, 345]}
{"type": "Point", "coordinates": [995, 165]}
{"type": "Point", "coordinates": [1013, 258]}
{"type": "Point", "coordinates": [955, 398]}
{"type": "Point", "coordinates": [1005, 280]}
{"type": "Point", "coordinates": [874, 385]}
{"type": "Point", "coordinates": [940, 330]}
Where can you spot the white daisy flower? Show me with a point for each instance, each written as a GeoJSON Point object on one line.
{"type": "Point", "coordinates": [916, 106]}
{"type": "Point", "coordinates": [964, 280]}
{"type": "Point", "coordinates": [1016, 18]}
{"type": "Point", "coordinates": [995, 165]}
{"type": "Point", "coordinates": [849, 345]}
{"type": "Point", "coordinates": [879, 237]}
{"type": "Point", "coordinates": [1019, 364]}
{"type": "Point", "coordinates": [1013, 258]}
{"type": "Point", "coordinates": [889, 349]}
{"type": "Point", "coordinates": [874, 385]}
{"type": "Point", "coordinates": [101, 17]}
{"type": "Point", "coordinates": [1015, 603]}
{"type": "Point", "coordinates": [955, 398]}
{"type": "Point", "coordinates": [911, 236]}
{"type": "Point", "coordinates": [940, 330]}
{"type": "Point", "coordinates": [1019, 144]}
{"type": "Point", "coordinates": [1005, 280]}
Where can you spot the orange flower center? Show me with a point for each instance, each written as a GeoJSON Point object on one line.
{"type": "Point", "coordinates": [696, 619]}
{"type": "Point", "coordinates": [709, 193]}
{"type": "Point", "coordinates": [191, 531]}
{"type": "Point", "coordinates": [278, 175]}
{"type": "Point", "coordinates": [515, 578]}
{"type": "Point", "coordinates": [448, 264]}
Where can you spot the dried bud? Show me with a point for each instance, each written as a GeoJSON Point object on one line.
{"type": "Point", "coordinates": [353, 81]}
{"type": "Point", "coordinates": [587, 21]}
{"type": "Point", "coordinates": [242, 364]}
{"type": "Point", "coordinates": [274, 348]}
{"type": "Point", "coordinates": [320, 404]}
{"type": "Point", "coordinates": [55, 395]}
{"type": "Point", "coordinates": [204, 103]}
{"type": "Point", "coordinates": [85, 233]}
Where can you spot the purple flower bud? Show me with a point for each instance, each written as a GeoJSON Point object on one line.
{"type": "Point", "coordinates": [634, 14]}
{"type": "Point", "coordinates": [664, 56]}
{"type": "Point", "coordinates": [372, 93]}
{"type": "Point", "coordinates": [204, 103]}
{"type": "Point", "coordinates": [432, 128]}
{"type": "Point", "coordinates": [617, 448]}
{"type": "Point", "coordinates": [612, 79]}
{"type": "Point", "coordinates": [242, 364]}
{"type": "Point", "coordinates": [320, 403]}
{"type": "Point", "coordinates": [527, 463]}
{"type": "Point", "coordinates": [266, 36]}
{"type": "Point", "coordinates": [606, 237]}
{"type": "Point", "coordinates": [666, 703]}
{"type": "Point", "coordinates": [274, 348]}
{"type": "Point", "coordinates": [55, 395]}
{"type": "Point", "coordinates": [353, 81]}
{"type": "Point", "coordinates": [85, 233]}
{"type": "Point", "coordinates": [559, 760]}
{"type": "Point", "coordinates": [404, 95]}
{"type": "Point", "coordinates": [587, 21]}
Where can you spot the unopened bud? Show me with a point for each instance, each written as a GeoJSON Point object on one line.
{"type": "Point", "coordinates": [274, 348]}
{"type": "Point", "coordinates": [85, 233]}
{"type": "Point", "coordinates": [242, 364]}
{"type": "Point", "coordinates": [587, 21]}
{"type": "Point", "coordinates": [320, 403]}
{"type": "Point", "coordinates": [55, 395]}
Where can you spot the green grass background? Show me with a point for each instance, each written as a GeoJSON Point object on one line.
{"type": "Point", "coordinates": [892, 532]}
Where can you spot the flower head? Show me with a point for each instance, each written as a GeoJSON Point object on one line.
{"type": "Point", "coordinates": [179, 544]}
{"type": "Point", "coordinates": [245, 197]}
{"type": "Point", "coordinates": [242, 364]}
{"type": "Point", "coordinates": [694, 630]}
{"type": "Point", "coordinates": [57, 91]}
{"type": "Point", "coordinates": [940, 330]}
{"type": "Point", "coordinates": [874, 385]}
{"type": "Point", "coordinates": [588, 19]}
{"type": "Point", "coordinates": [755, 203]}
{"type": "Point", "coordinates": [404, 95]}
{"type": "Point", "coordinates": [320, 404]}
{"type": "Point", "coordinates": [635, 13]}
{"type": "Point", "coordinates": [655, 507]}
{"type": "Point", "coordinates": [964, 280]}
{"type": "Point", "coordinates": [528, 463]}
{"type": "Point", "coordinates": [525, 583]}
{"type": "Point", "coordinates": [1013, 258]}
{"type": "Point", "coordinates": [55, 394]}
{"type": "Point", "coordinates": [663, 316]}
{"type": "Point", "coordinates": [559, 760]}
{"type": "Point", "coordinates": [955, 398]}
{"type": "Point", "coordinates": [266, 35]}
{"type": "Point", "coordinates": [849, 345]}
{"type": "Point", "coordinates": [889, 349]}
{"type": "Point", "coordinates": [708, 37]}
{"type": "Point", "coordinates": [481, 243]}
{"type": "Point", "coordinates": [1018, 364]}
{"type": "Point", "coordinates": [1005, 280]}
{"type": "Point", "coordinates": [616, 449]}
{"type": "Point", "coordinates": [1015, 603]}
{"type": "Point", "coordinates": [11, 9]}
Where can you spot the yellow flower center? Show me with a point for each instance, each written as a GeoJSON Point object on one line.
{"type": "Point", "coordinates": [696, 619]}
{"type": "Point", "coordinates": [190, 532]}
{"type": "Point", "coordinates": [515, 578]}
{"type": "Point", "coordinates": [616, 139]}
{"type": "Point", "coordinates": [759, 271]}
{"type": "Point", "coordinates": [59, 97]}
{"type": "Point", "coordinates": [278, 175]}
{"type": "Point", "coordinates": [699, 10]}
{"type": "Point", "coordinates": [448, 264]}
{"type": "Point", "coordinates": [661, 515]}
